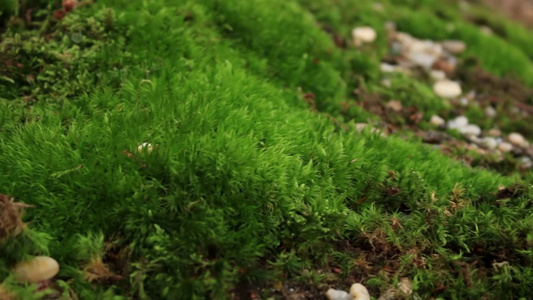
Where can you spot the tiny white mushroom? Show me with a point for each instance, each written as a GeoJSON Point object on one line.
{"type": "Point", "coordinates": [363, 34]}
{"type": "Point", "coordinates": [37, 269]}
{"type": "Point", "coordinates": [359, 292]}
{"type": "Point", "coordinates": [447, 89]}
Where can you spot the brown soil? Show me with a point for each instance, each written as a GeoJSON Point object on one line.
{"type": "Point", "coordinates": [521, 10]}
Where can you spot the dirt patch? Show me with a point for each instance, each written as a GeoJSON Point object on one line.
{"type": "Point", "coordinates": [520, 10]}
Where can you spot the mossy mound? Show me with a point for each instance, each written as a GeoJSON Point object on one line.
{"type": "Point", "coordinates": [258, 179]}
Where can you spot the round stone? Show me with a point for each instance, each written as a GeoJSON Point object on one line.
{"type": "Point", "coordinates": [470, 129]}
{"type": "Point", "coordinates": [516, 139]}
{"type": "Point", "coordinates": [387, 68]}
{"type": "Point", "coordinates": [365, 34]}
{"type": "Point", "coordinates": [436, 121]}
{"type": "Point", "coordinates": [447, 89]}
{"type": "Point", "coordinates": [422, 59]}
{"type": "Point", "coordinates": [490, 143]}
{"type": "Point", "coordinates": [454, 46]}
{"type": "Point", "coordinates": [437, 75]}
{"type": "Point", "coordinates": [458, 122]}
{"type": "Point", "coordinates": [333, 294]}
{"type": "Point", "coordinates": [505, 147]}
{"type": "Point", "coordinates": [359, 292]}
{"type": "Point", "coordinates": [37, 269]}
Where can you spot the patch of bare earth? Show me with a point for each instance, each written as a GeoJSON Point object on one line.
{"type": "Point", "coordinates": [520, 10]}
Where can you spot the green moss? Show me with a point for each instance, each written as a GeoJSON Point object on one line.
{"type": "Point", "coordinates": [245, 183]}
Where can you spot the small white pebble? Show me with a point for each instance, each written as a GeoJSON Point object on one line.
{"type": "Point", "coordinates": [454, 46]}
{"type": "Point", "coordinates": [36, 269]}
{"type": "Point", "coordinates": [458, 122]}
{"type": "Point", "coordinates": [505, 147]}
{"type": "Point", "coordinates": [363, 34]}
{"type": "Point", "coordinates": [437, 74]}
{"type": "Point", "coordinates": [146, 146]}
{"type": "Point", "coordinates": [526, 161]}
{"type": "Point", "coordinates": [447, 89]}
{"type": "Point", "coordinates": [387, 68]}
{"type": "Point", "coordinates": [333, 294]}
{"type": "Point", "coordinates": [422, 59]}
{"type": "Point", "coordinates": [359, 292]}
{"type": "Point", "coordinates": [516, 139]}
{"type": "Point", "coordinates": [470, 129]}
{"type": "Point", "coordinates": [463, 101]}
{"type": "Point", "coordinates": [490, 143]}
{"type": "Point", "coordinates": [436, 121]}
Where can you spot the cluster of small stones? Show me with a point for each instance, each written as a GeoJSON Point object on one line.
{"type": "Point", "coordinates": [513, 143]}
{"type": "Point", "coordinates": [436, 58]}
{"type": "Point", "coordinates": [359, 292]}
{"type": "Point", "coordinates": [439, 61]}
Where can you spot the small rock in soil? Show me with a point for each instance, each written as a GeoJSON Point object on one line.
{"type": "Point", "coordinates": [458, 122]}
{"type": "Point", "coordinates": [517, 139]}
{"type": "Point", "coordinates": [436, 121]}
{"type": "Point", "coordinates": [470, 129]}
{"type": "Point", "coordinates": [454, 46]}
{"type": "Point", "coordinates": [39, 268]}
{"type": "Point", "coordinates": [437, 75]}
{"type": "Point", "coordinates": [490, 143]}
{"type": "Point", "coordinates": [363, 34]}
{"type": "Point", "coordinates": [505, 147]}
{"type": "Point", "coordinates": [447, 89]}
{"type": "Point", "coordinates": [333, 294]}
{"type": "Point", "coordinates": [387, 68]}
{"type": "Point", "coordinates": [422, 59]}
{"type": "Point", "coordinates": [359, 292]}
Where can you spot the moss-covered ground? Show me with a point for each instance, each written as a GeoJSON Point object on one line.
{"type": "Point", "coordinates": [259, 186]}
